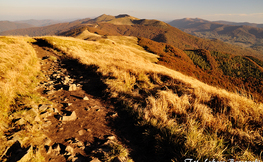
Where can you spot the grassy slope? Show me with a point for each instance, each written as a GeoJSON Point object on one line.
{"type": "Point", "coordinates": [234, 73]}
{"type": "Point", "coordinates": [185, 117]}
{"type": "Point", "coordinates": [173, 36]}
{"type": "Point", "coordinates": [19, 67]}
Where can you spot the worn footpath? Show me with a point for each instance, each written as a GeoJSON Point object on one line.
{"type": "Point", "coordinates": [77, 120]}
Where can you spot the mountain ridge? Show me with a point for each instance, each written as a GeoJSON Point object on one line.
{"type": "Point", "coordinates": [40, 23]}
{"type": "Point", "coordinates": [9, 25]}
{"type": "Point", "coordinates": [244, 36]}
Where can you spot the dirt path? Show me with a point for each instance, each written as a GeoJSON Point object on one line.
{"type": "Point", "coordinates": [259, 67]}
{"type": "Point", "coordinates": [84, 122]}
{"type": "Point", "coordinates": [80, 124]}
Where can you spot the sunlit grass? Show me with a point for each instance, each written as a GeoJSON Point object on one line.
{"type": "Point", "coordinates": [212, 122]}
{"type": "Point", "coordinates": [19, 67]}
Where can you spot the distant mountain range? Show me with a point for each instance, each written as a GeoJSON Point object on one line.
{"type": "Point", "coordinates": [46, 30]}
{"type": "Point", "coordinates": [240, 23]}
{"type": "Point", "coordinates": [39, 23]}
{"type": "Point", "coordinates": [8, 25]}
{"type": "Point", "coordinates": [152, 29]}
{"type": "Point", "coordinates": [23, 24]}
{"type": "Point", "coordinates": [243, 34]}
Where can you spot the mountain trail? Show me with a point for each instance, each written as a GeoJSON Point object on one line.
{"type": "Point", "coordinates": [78, 120]}
{"type": "Point", "coordinates": [259, 67]}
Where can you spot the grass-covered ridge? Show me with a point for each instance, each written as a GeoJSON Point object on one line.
{"type": "Point", "coordinates": [19, 67]}
{"type": "Point", "coordinates": [185, 117]}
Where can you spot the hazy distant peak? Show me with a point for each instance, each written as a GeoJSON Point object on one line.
{"type": "Point", "coordinates": [8, 25]}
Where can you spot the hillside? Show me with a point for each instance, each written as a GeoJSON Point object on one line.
{"type": "Point", "coordinates": [234, 73]}
{"type": "Point", "coordinates": [8, 25]}
{"type": "Point", "coordinates": [242, 35]}
{"type": "Point", "coordinates": [46, 30]}
{"type": "Point", "coordinates": [120, 95]}
{"type": "Point", "coordinates": [222, 65]}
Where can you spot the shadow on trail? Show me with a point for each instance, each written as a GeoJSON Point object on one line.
{"type": "Point", "coordinates": [142, 140]}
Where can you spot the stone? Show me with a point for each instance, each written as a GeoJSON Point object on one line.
{"type": "Point", "coordinates": [55, 110]}
{"type": "Point", "coordinates": [72, 87]}
{"type": "Point", "coordinates": [72, 117]}
{"type": "Point", "coordinates": [66, 80]}
{"type": "Point", "coordinates": [58, 76]}
{"type": "Point", "coordinates": [111, 137]}
{"type": "Point", "coordinates": [44, 107]}
{"type": "Point", "coordinates": [47, 124]}
{"type": "Point", "coordinates": [47, 141]}
{"type": "Point", "coordinates": [70, 150]}
{"type": "Point", "coordinates": [81, 132]}
{"type": "Point", "coordinates": [85, 98]}
{"type": "Point", "coordinates": [37, 118]}
{"type": "Point", "coordinates": [67, 104]}
{"type": "Point", "coordinates": [21, 121]}
{"type": "Point", "coordinates": [45, 115]}
{"type": "Point", "coordinates": [56, 148]}
{"type": "Point", "coordinates": [49, 92]}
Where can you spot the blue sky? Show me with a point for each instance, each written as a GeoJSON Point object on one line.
{"type": "Point", "coordinates": [230, 10]}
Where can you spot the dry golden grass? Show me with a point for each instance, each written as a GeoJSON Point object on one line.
{"type": "Point", "coordinates": [18, 64]}
{"type": "Point", "coordinates": [213, 122]}
{"type": "Point", "coordinates": [19, 67]}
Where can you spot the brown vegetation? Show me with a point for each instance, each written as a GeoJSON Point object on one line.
{"type": "Point", "coordinates": [207, 68]}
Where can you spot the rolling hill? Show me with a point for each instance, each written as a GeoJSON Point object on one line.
{"type": "Point", "coordinates": [213, 62]}
{"type": "Point", "coordinates": [39, 23]}
{"type": "Point", "coordinates": [8, 25]}
{"type": "Point", "coordinates": [242, 35]}
{"type": "Point", "coordinates": [46, 30]}
{"type": "Point", "coordinates": [240, 23]}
